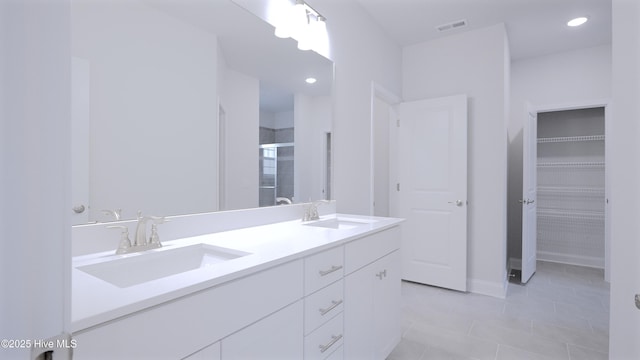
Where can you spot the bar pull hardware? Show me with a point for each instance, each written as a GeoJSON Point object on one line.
{"type": "Point", "coordinates": [334, 304]}
{"type": "Point", "coordinates": [334, 268]}
{"type": "Point", "coordinates": [334, 339]}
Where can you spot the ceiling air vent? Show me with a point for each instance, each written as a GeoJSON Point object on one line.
{"type": "Point", "coordinates": [452, 25]}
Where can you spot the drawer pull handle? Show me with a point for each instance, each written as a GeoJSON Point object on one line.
{"type": "Point", "coordinates": [327, 272]}
{"type": "Point", "coordinates": [334, 304]}
{"type": "Point", "coordinates": [334, 339]}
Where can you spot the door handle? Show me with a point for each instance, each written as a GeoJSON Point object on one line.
{"type": "Point", "coordinates": [457, 202]}
{"type": "Point", "coordinates": [530, 201]}
{"type": "Point", "coordinates": [79, 209]}
{"type": "Point", "coordinates": [638, 301]}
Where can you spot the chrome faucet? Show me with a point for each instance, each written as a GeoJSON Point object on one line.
{"type": "Point", "coordinates": [141, 231]}
{"type": "Point", "coordinates": [311, 210]}
{"type": "Point", "coordinates": [140, 242]}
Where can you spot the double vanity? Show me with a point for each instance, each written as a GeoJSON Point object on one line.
{"type": "Point", "coordinates": [321, 289]}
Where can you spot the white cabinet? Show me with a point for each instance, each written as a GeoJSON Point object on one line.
{"type": "Point", "coordinates": [302, 309]}
{"type": "Point", "coordinates": [179, 328]}
{"type": "Point", "coordinates": [278, 336]}
{"type": "Point", "coordinates": [372, 299]}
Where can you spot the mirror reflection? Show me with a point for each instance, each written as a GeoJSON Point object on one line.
{"type": "Point", "coordinates": [171, 100]}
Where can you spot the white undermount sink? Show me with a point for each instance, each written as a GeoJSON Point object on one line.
{"type": "Point", "coordinates": [340, 223]}
{"type": "Point", "coordinates": [141, 267]}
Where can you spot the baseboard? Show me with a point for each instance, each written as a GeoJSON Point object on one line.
{"type": "Point", "coordinates": [489, 288]}
{"type": "Point", "coordinates": [571, 259]}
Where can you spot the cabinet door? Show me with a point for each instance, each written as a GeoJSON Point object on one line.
{"type": "Point", "coordinates": [386, 305]}
{"type": "Point", "coordinates": [278, 336]}
{"type": "Point", "coordinates": [358, 314]}
{"type": "Point", "coordinates": [372, 309]}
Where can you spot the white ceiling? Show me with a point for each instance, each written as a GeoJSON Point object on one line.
{"type": "Point", "coordinates": [534, 27]}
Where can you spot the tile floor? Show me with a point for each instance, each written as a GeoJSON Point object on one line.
{"type": "Point", "coordinates": [562, 313]}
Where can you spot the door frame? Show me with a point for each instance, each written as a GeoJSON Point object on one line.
{"type": "Point", "coordinates": [588, 104]}
{"type": "Point", "coordinates": [393, 100]}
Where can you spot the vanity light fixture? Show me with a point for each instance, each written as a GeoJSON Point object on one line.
{"type": "Point", "coordinates": [302, 23]}
{"type": "Point", "coordinates": [577, 21]}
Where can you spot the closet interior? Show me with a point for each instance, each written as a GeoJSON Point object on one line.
{"type": "Point", "coordinates": [571, 187]}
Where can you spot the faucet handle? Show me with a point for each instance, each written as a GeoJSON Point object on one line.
{"type": "Point", "coordinates": [125, 243]}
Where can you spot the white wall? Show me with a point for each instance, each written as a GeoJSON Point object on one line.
{"type": "Point", "coordinates": [153, 109]}
{"type": "Point", "coordinates": [473, 63]}
{"type": "Point", "coordinates": [35, 197]}
{"type": "Point", "coordinates": [625, 176]}
{"type": "Point", "coordinates": [240, 97]}
{"type": "Point", "coordinates": [565, 78]}
{"type": "Point", "coordinates": [362, 53]}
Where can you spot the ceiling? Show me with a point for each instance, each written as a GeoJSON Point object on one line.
{"type": "Point", "coordinates": [534, 27]}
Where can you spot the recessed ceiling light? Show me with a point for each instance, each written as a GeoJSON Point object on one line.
{"type": "Point", "coordinates": [577, 21]}
{"type": "Point", "coordinates": [310, 80]}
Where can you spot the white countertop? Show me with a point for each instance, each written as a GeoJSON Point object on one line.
{"type": "Point", "coordinates": [95, 301]}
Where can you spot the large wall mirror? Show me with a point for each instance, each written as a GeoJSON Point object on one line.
{"type": "Point", "coordinates": [175, 102]}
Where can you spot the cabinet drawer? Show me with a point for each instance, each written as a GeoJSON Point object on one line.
{"type": "Point", "coordinates": [322, 306]}
{"type": "Point", "coordinates": [321, 343]}
{"type": "Point", "coordinates": [322, 269]}
{"type": "Point", "coordinates": [366, 250]}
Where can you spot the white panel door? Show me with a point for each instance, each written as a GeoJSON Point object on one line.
{"type": "Point", "coordinates": [433, 191]}
{"type": "Point", "coordinates": [529, 194]}
{"type": "Point", "coordinates": [80, 115]}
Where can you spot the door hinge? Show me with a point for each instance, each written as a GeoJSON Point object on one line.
{"type": "Point", "coordinates": [398, 187]}
{"type": "Point", "coordinates": [398, 122]}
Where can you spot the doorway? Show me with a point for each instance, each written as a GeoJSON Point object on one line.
{"type": "Point", "coordinates": [572, 192]}
{"type": "Point", "coordinates": [571, 186]}
{"type": "Point", "coordinates": [384, 135]}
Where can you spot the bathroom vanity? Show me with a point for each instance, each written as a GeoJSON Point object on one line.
{"type": "Point", "coordinates": [324, 289]}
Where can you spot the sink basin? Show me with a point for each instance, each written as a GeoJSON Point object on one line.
{"type": "Point", "coordinates": [142, 267]}
{"type": "Point", "coordinates": [340, 223]}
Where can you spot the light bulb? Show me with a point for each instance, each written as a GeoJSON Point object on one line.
{"type": "Point", "coordinates": [577, 21]}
